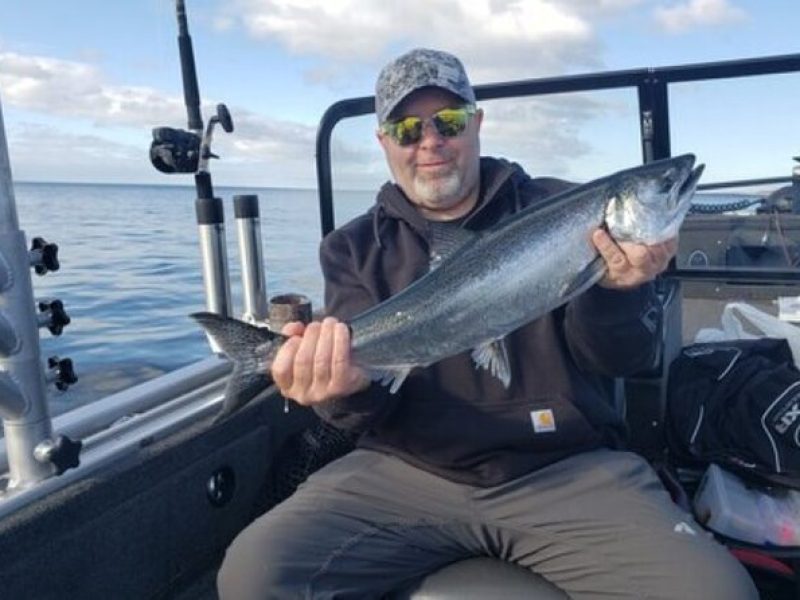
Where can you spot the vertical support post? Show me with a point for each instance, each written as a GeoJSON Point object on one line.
{"type": "Point", "coordinates": [654, 119]}
{"type": "Point", "coordinates": [23, 397]}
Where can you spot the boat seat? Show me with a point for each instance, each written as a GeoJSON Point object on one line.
{"type": "Point", "coordinates": [481, 578]}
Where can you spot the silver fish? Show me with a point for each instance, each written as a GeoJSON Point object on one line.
{"type": "Point", "coordinates": [530, 264]}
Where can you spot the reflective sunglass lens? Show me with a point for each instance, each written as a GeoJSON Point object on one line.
{"type": "Point", "coordinates": [408, 131]}
{"type": "Point", "coordinates": [449, 122]}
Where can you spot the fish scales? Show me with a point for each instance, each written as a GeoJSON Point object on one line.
{"type": "Point", "coordinates": [500, 280]}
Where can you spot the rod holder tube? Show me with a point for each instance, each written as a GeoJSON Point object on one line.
{"type": "Point", "coordinates": [8, 206]}
{"type": "Point", "coordinates": [216, 280]}
{"type": "Point", "coordinates": [254, 287]}
{"type": "Point", "coordinates": [211, 223]}
{"type": "Point", "coordinates": [23, 395]}
{"type": "Point", "coordinates": [26, 417]}
{"type": "Point", "coordinates": [286, 308]}
{"type": "Point", "coordinates": [13, 404]}
{"type": "Point", "coordinates": [9, 340]}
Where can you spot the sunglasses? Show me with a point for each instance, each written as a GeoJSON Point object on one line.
{"type": "Point", "coordinates": [449, 122]}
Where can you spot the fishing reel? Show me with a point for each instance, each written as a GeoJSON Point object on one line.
{"type": "Point", "coordinates": [175, 150]}
{"type": "Point", "coordinates": [180, 151]}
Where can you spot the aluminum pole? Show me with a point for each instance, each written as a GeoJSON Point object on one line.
{"type": "Point", "coordinates": [23, 396]}
{"type": "Point", "coordinates": [248, 227]}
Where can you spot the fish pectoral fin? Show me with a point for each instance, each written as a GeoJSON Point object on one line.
{"type": "Point", "coordinates": [593, 273]}
{"type": "Point", "coordinates": [494, 357]}
{"type": "Point", "coordinates": [393, 378]}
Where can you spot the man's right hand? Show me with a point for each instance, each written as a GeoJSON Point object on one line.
{"type": "Point", "coordinates": [313, 365]}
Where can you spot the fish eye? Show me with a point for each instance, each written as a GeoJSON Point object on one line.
{"type": "Point", "coordinates": [667, 181]}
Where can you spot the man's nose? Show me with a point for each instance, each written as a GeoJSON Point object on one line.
{"type": "Point", "coordinates": [430, 135]}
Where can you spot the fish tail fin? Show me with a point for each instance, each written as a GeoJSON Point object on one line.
{"type": "Point", "coordinates": [242, 387]}
{"type": "Point", "coordinates": [252, 350]}
{"type": "Point", "coordinates": [237, 339]}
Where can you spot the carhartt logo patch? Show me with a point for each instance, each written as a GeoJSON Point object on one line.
{"type": "Point", "coordinates": [543, 420]}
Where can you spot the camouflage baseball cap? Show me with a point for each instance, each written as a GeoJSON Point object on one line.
{"type": "Point", "coordinates": [416, 69]}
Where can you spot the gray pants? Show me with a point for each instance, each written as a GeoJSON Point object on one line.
{"type": "Point", "coordinates": [598, 524]}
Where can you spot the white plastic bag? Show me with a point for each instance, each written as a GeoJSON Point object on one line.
{"type": "Point", "coordinates": [743, 321]}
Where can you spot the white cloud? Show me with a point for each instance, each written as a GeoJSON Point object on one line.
{"type": "Point", "coordinates": [544, 133]}
{"type": "Point", "coordinates": [75, 89]}
{"type": "Point", "coordinates": [37, 149]}
{"type": "Point", "coordinates": [681, 17]}
{"type": "Point", "coordinates": [497, 39]}
{"type": "Point", "coordinates": [50, 87]}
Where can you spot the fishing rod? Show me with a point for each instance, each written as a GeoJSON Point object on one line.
{"type": "Point", "coordinates": [179, 150]}
{"type": "Point", "coordinates": [189, 151]}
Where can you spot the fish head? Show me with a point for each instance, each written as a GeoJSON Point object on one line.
{"type": "Point", "coordinates": [647, 204]}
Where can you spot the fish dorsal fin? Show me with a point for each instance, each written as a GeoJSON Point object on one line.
{"type": "Point", "coordinates": [446, 240]}
{"type": "Point", "coordinates": [494, 357]}
{"type": "Point", "coordinates": [237, 339]}
{"type": "Point", "coordinates": [593, 273]}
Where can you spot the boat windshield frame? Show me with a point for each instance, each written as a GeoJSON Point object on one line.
{"type": "Point", "coordinates": [652, 86]}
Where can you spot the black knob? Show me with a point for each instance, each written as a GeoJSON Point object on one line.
{"type": "Point", "coordinates": [65, 374]}
{"type": "Point", "coordinates": [65, 454]}
{"type": "Point", "coordinates": [224, 117]}
{"type": "Point", "coordinates": [221, 486]}
{"type": "Point", "coordinates": [58, 316]}
{"type": "Point", "coordinates": [45, 256]}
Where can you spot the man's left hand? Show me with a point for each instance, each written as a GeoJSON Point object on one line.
{"type": "Point", "coordinates": [631, 264]}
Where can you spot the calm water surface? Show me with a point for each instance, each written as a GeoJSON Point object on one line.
{"type": "Point", "coordinates": [130, 272]}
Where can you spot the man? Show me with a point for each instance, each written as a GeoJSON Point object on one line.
{"type": "Point", "coordinates": [455, 465]}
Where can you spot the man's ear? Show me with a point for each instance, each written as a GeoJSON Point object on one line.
{"type": "Point", "coordinates": [478, 118]}
{"type": "Point", "coordinates": [382, 139]}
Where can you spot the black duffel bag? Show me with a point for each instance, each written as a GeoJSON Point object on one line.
{"type": "Point", "coordinates": [737, 404]}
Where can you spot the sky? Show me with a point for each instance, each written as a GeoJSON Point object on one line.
{"type": "Point", "coordinates": [83, 82]}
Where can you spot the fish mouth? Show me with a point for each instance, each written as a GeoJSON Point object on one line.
{"type": "Point", "coordinates": [679, 182]}
{"type": "Point", "coordinates": [690, 183]}
{"type": "Point", "coordinates": [682, 200]}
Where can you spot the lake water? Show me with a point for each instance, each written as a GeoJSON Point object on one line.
{"type": "Point", "coordinates": [131, 273]}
